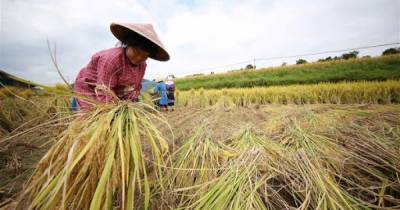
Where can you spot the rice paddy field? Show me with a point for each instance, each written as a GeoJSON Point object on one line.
{"type": "Point", "coordinates": [330, 145]}
{"type": "Point", "coordinates": [379, 68]}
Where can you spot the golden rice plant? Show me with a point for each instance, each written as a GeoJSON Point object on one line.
{"type": "Point", "coordinates": [103, 160]}
{"type": "Point", "coordinates": [386, 92]}
{"type": "Point", "coordinates": [224, 101]}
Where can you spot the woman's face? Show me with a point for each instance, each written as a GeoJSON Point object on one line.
{"type": "Point", "coordinates": [136, 55]}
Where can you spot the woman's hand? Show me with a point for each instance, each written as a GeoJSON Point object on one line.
{"type": "Point", "coordinates": [106, 94]}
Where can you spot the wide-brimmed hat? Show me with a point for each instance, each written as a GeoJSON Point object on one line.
{"type": "Point", "coordinates": [142, 32]}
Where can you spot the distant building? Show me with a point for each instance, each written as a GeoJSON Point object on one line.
{"type": "Point", "coordinates": [11, 80]}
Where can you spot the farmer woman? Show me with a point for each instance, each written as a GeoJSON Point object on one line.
{"type": "Point", "coordinates": [160, 90]}
{"type": "Point", "coordinates": [117, 73]}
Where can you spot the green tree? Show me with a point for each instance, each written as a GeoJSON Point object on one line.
{"type": "Point", "coordinates": [301, 61]}
{"type": "Point", "coordinates": [249, 66]}
{"type": "Point", "coordinates": [350, 55]}
{"type": "Point", "coordinates": [391, 51]}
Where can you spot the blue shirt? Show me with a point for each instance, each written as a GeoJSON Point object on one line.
{"type": "Point", "coordinates": [161, 89]}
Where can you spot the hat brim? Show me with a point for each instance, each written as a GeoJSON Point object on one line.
{"type": "Point", "coordinates": [123, 33]}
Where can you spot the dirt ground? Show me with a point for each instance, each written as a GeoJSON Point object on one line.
{"type": "Point", "coordinates": [20, 154]}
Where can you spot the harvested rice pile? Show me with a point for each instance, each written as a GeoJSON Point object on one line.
{"type": "Point", "coordinates": [102, 159]}
{"type": "Point", "coordinates": [302, 159]}
{"type": "Point", "coordinates": [114, 157]}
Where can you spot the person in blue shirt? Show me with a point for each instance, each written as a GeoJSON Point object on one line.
{"type": "Point", "coordinates": [74, 105]}
{"type": "Point", "coordinates": [170, 91]}
{"type": "Point", "coordinates": [161, 91]}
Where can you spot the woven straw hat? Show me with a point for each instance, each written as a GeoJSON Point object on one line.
{"type": "Point", "coordinates": [142, 32]}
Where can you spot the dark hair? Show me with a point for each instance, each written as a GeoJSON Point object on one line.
{"type": "Point", "coordinates": [140, 42]}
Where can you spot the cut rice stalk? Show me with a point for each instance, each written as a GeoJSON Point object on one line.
{"type": "Point", "coordinates": [323, 164]}
{"type": "Point", "coordinates": [195, 163]}
{"type": "Point", "coordinates": [237, 187]}
{"type": "Point", "coordinates": [101, 160]}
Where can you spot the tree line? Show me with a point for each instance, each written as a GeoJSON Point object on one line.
{"type": "Point", "coordinates": [349, 55]}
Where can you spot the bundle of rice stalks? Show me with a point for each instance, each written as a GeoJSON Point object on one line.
{"type": "Point", "coordinates": [14, 111]}
{"type": "Point", "coordinates": [370, 161]}
{"type": "Point", "coordinates": [147, 98]}
{"type": "Point", "coordinates": [3, 132]}
{"type": "Point", "coordinates": [28, 93]}
{"type": "Point", "coordinates": [296, 175]}
{"type": "Point", "coordinates": [8, 92]}
{"type": "Point", "coordinates": [305, 170]}
{"type": "Point", "coordinates": [248, 180]}
{"type": "Point", "coordinates": [310, 173]}
{"type": "Point", "coordinates": [272, 158]}
{"type": "Point", "coordinates": [315, 187]}
{"type": "Point", "coordinates": [5, 124]}
{"type": "Point", "coordinates": [101, 161]}
{"type": "Point", "coordinates": [328, 173]}
{"type": "Point", "coordinates": [238, 186]}
{"type": "Point", "coordinates": [59, 106]}
{"type": "Point", "coordinates": [247, 139]}
{"type": "Point", "coordinates": [195, 163]}
{"type": "Point", "coordinates": [372, 173]}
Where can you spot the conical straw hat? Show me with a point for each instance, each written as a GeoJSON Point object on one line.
{"type": "Point", "coordinates": [123, 31]}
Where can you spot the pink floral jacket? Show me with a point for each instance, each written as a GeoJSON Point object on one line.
{"type": "Point", "coordinates": [109, 70]}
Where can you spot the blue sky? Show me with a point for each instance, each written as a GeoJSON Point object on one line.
{"type": "Point", "coordinates": [197, 34]}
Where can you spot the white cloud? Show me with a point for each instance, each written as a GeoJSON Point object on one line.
{"type": "Point", "coordinates": [221, 33]}
{"type": "Point", "coordinates": [197, 34]}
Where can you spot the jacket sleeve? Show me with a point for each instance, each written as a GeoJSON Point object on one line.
{"type": "Point", "coordinates": [134, 95]}
{"type": "Point", "coordinates": [107, 79]}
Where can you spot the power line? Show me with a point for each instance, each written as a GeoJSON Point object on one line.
{"type": "Point", "coordinates": [326, 52]}
{"type": "Point", "coordinates": [201, 70]}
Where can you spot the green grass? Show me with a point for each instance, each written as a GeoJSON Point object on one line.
{"type": "Point", "coordinates": [369, 69]}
